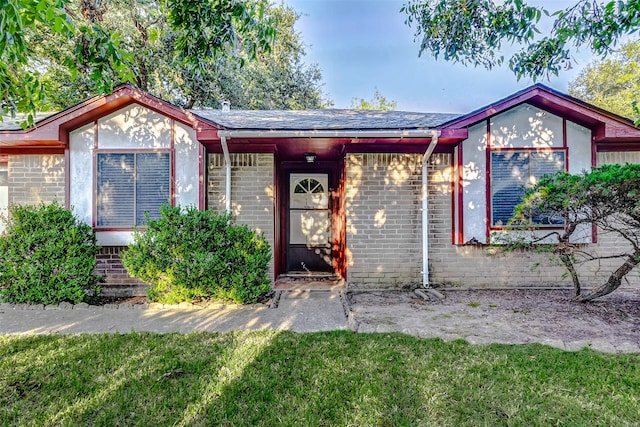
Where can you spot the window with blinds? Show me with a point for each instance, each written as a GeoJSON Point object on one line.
{"type": "Point", "coordinates": [512, 172]}
{"type": "Point", "coordinates": [130, 184]}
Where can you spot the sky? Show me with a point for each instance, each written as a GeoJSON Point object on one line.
{"type": "Point", "coordinates": [361, 45]}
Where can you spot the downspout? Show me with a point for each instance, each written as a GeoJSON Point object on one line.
{"type": "Point", "coordinates": [226, 107]}
{"type": "Point", "coordinates": [227, 167]}
{"type": "Point", "coordinates": [425, 208]}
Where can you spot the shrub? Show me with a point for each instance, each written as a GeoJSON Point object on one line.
{"type": "Point", "coordinates": [47, 256]}
{"type": "Point", "coordinates": [188, 254]}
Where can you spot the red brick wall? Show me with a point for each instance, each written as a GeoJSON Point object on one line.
{"type": "Point", "coordinates": [117, 280]}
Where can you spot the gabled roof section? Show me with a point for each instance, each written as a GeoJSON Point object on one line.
{"type": "Point", "coordinates": [327, 119]}
{"type": "Point", "coordinates": [53, 129]}
{"type": "Point", "coordinates": [606, 126]}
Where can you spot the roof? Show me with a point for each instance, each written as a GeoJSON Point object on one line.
{"type": "Point", "coordinates": [327, 119]}
{"type": "Point", "coordinates": [13, 123]}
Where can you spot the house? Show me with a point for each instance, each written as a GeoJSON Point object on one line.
{"type": "Point", "coordinates": [380, 198]}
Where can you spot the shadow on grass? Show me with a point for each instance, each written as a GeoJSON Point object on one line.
{"type": "Point", "coordinates": [328, 378]}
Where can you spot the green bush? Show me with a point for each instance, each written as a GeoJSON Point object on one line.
{"type": "Point", "coordinates": [47, 256]}
{"type": "Point", "coordinates": [187, 255]}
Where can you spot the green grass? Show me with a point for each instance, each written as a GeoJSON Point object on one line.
{"type": "Point", "coordinates": [283, 378]}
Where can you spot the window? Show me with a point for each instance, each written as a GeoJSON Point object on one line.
{"type": "Point", "coordinates": [308, 185]}
{"type": "Point", "coordinates": [130, 184]}
{"type": "Point", "coordinates": [512, 172]}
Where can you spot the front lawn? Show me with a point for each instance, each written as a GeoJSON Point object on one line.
{"type": "Point", "coordinates": [283, 378]}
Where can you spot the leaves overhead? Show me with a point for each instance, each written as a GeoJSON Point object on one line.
{"type": "Point", "coordinates": [249, 76]}
{"type": "Point", "coordinates": [474, 32]}
{"type": "Point", "coordinates": [202, 31]}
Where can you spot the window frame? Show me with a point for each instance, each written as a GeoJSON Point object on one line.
{"type": "Point", "coordinates": [171, 174]}
{"type": "Point", "coordinates": [490, 182]}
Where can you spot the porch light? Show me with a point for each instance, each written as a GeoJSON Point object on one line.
{"type": "Point", "coordinates": [310, 157]}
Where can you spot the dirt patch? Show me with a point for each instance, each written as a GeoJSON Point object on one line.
{"type": "Point", "coordinates": [611, 323]}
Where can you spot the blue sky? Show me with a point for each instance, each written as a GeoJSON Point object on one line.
{"type": "Point", "coordinates": [363, 44]}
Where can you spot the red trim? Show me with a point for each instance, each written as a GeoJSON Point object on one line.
{"type": "Point", "coordinates": [594, 162]}
{"type": "Point", "coordinates": [616, 146]}
{"type": "Point", "coordinates": [4, 158]}
{"type": "Point", "coordinates": [94, 214]}
{"type": "Point", "coordinates": [104, 229]}
{"type": "Point", "coordinates": [460, 168]}
{"type": "Point", "coordinates": [487, 170]}
{"type": "Point", "coordinates": [67, 177]}
{"type": "Point", "coordinates": [172, 164]}
{"type": "Point", "coordinates": [454, 209]}
{"type": "Point", "coordinates": [338, 222]}
{"type": "Point", "coordinates": [20, 150]}
{"type": "Point", "coordinates": [564, 133]}
{"type": "Point", "coordinates": [201, 178]}
{"type": "Point", "coordinates": [277, 217]}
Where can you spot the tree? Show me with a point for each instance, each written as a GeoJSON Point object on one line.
{"type": "Point", "coordinates": [613, 83]}
{"type": "Point", "coordinates": [378, 102]}
{"type": "Point", "coordinates": [607, 197]}
{"type": "Point", "coordinates": [474, 31]}
{"type": "Point", "coordinates": [204, 31]}
{"type": "Point", "coordinates": [277, 79]}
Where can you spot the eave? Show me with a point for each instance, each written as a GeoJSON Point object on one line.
{"type": "Point", "coordinates": [606, 127]}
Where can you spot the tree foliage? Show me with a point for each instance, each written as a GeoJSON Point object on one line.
{"type": "Point", "coordinates": [612, 83]}
{"type": "Point", "coordinates": [475, 31]}
{"type": "Point", "coordinates": [378, 102]}
{"type": "Point", "coordinates": [608, 197]}
{"type": "Point", "coordinates": [277, 79]}
{"type": "Point", "coordinates": [203, 32]}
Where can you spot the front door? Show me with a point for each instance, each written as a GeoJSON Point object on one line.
{"type": "Point", "coordinates": [309, 218]}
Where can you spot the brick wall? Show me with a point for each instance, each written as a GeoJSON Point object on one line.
{"type": "Point", "coordinates": [36, 178]}
{"type": "Point", "coordinates": [474, 266]}
{"type": "Point", "coordinates": [384, 246]}
{"type": "Point", "coordinates": [252, 191]}
{"type": "Point", "coordinates": [117, 280]}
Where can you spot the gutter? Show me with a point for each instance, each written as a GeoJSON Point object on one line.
{"type": "Point", "coordinates": [353, 134]}
{"type": "Point", "coordinates": [425, 208]}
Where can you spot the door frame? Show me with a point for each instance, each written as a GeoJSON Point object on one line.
{"type": "Point", "coordinates": [334, 171]}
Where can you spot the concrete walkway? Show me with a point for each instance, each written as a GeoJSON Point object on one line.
{"type": "Point", "coordinates": [480, 322]}
{"type": "Point", "coordinates": [300, 311]}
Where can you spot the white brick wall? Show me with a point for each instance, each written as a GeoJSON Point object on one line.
{"type": "Point", "coordinates": [252, 191]}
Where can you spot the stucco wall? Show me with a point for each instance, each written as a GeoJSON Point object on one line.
{"type": "Point", "coordinates": [382, 195]}
{"type": "Point", "coordinates": [131, 128]}
{"type": "Point", "coordinates": [252, 191]}
{"type": "Point", "coordinates": [35, 178]}
{"type": "Point", "coordinates": [522, 127]}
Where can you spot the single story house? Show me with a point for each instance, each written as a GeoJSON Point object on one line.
{"type": "Point", "coordinates": [379, 198]}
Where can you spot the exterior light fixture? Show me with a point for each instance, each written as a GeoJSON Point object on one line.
{"type": "Point", "coordinates": [310, 157]}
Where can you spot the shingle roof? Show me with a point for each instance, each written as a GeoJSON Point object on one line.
{"type": "Point", "coordinates": [13, 123]}
{"type": "Point", "coordinates": [328, 119]}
